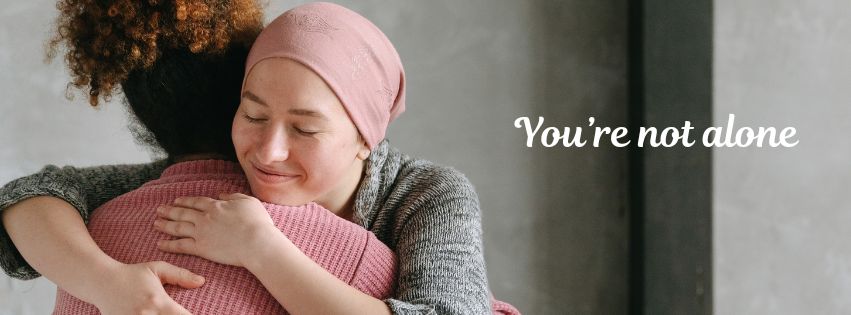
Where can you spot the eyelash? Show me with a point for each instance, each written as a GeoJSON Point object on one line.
{"type": "Point", "coordinates": [252, 120]}
{"type": "Point", "coordinates": [306, 133]}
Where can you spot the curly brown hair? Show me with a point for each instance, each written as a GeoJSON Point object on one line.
{"type": "Point", "coordinates": [108, 39]}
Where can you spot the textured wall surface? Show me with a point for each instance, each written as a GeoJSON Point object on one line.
{"type": "Point", "coordinates": [554, 219]}
{"type": "Point", "coordinates": [38, 125]}
{"type": "Point", "coordinates": [781, 215]}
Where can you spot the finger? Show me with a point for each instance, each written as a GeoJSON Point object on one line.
{"type": "Point", "coordinates": [175, 228]}
{"type": "Point", "coordinates": [233, 196]}
{"type": "Point", "coordinates": [171, 274]}
{"type": "Point", "coordinates": [197, 203]}
{"type": "Point", "coordinates": [179, 310]}
{"type": "Point", "coordinates": [179, 213]}
{"type": "Point", "coordinates": [178, 246]}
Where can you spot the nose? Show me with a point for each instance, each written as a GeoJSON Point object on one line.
{"type": "Point", "coordinates": [273, 146]}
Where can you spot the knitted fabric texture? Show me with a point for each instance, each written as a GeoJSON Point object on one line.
{"type": "Point", "coordinates": [428, 214]}
{"type": "Point", "coordinates": [123, 228]}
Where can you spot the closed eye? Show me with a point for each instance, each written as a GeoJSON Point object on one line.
{"type": "Point", "coordinates": [306, 132]}
{"type": "Point", "coordinates": [252, 120]}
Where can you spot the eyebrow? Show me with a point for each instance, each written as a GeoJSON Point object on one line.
{"type": "Point", "coordinates": [307, 112]}
{"type": "Point", "coordinates": [254, 98]}
{"type": "Point", "coordinates": [294, 111]}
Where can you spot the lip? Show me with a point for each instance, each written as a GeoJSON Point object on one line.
{"type": "Point", "coordinates": [272, 177]}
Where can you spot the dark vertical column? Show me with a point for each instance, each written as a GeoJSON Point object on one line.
{"type": "Point", "coordinates": [671, 225]}
{"type": "Point", "coordinates": [579, 211]}
{"type": "Point", "coordinates": [635, 113]}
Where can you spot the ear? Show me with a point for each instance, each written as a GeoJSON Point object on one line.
{"type": "Point", "coordinates": [364, 151]}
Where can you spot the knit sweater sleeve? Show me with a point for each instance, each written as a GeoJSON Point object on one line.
{"type": "Point", "coordinates": [439, 246]}
{"type": "Point", "coordinates": [84, 188]}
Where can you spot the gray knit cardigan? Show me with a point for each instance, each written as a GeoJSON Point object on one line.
{"type": "Point", "coordinates": [428, 214]}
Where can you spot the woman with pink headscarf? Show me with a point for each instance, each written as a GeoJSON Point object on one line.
{"type": "Point", "coordinates": [322, 84]}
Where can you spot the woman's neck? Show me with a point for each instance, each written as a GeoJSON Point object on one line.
{"type": "Point", "coordinates": [341, 200]}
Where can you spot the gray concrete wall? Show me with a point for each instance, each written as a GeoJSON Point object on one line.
{"type": "Point", "coordinates": [554, 219]}
{"type": "Point", "coordinates": [39, 126]}
{"type": "Point", "coordinates": [781, 215]}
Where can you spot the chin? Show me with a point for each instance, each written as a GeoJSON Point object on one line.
{"type": "Point", "coordinates": [278, 197]}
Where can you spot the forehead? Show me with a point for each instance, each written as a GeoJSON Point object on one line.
{"type": "Point", "coordinates": [274, 74]}
{"type": "Point", "coordinates": [280, 81]}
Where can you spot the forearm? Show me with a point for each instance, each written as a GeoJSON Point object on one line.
{"type": "Point", "coordinates": [51, 236]}
{"type": "Point", "coordinates": [441, 262]}
{"type": "Point", "coordinates": [304, 287]}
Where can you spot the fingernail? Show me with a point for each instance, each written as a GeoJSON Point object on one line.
{"type": "Point", "coordinates": [198, 278]}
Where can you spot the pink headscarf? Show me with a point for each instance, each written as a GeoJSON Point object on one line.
{"type": "Point", "coordinates": [351, 54]}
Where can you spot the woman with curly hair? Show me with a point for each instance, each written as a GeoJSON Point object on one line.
{"type": "Point", "coordinates": [179, 64]}
{"type": "Point", "coordinates": [321, 85]}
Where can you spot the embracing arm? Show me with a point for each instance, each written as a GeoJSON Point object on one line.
{"type": "Point", "coordinates": [84, 270]}
{"type": "Point", "coordinates": [43, 245]}
{"type": "Point", "coordinates": [304, 287]}
{"type": "Point", "coordinates": [52, 237]}
{"type": "Point", "coordinates": [441, 260]}
{"type": "Point", "coordinates": [239, 231]}
{"type": "Point", "coordinates": [81, 189]}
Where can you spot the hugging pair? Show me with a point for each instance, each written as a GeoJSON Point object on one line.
{"type": "Point", "coordinates": [351, 224]}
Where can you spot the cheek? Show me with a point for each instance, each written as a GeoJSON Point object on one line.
{"type": "Point", "coordinates": [242, 137]}
{"type": "Point", "coordinates": [313, 159]}
{"type": "Point", "coordinates": [324, 163]}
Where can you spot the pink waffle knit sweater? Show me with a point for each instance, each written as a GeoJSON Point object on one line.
{"type": "Point", "coordinates": [123, 228]}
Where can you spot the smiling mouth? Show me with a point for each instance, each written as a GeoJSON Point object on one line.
{"type": "Point", "coordinates": [273, 178]}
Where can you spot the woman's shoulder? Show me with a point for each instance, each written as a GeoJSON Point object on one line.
{"type": "Point", "coordinates": [422, 174]}
{"type": "Point", "coordinates": [425, 174]}
{"type": "Point", "coordinates": [423, 181]}
{"type": "Point", "coordinates": [412, 194]}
